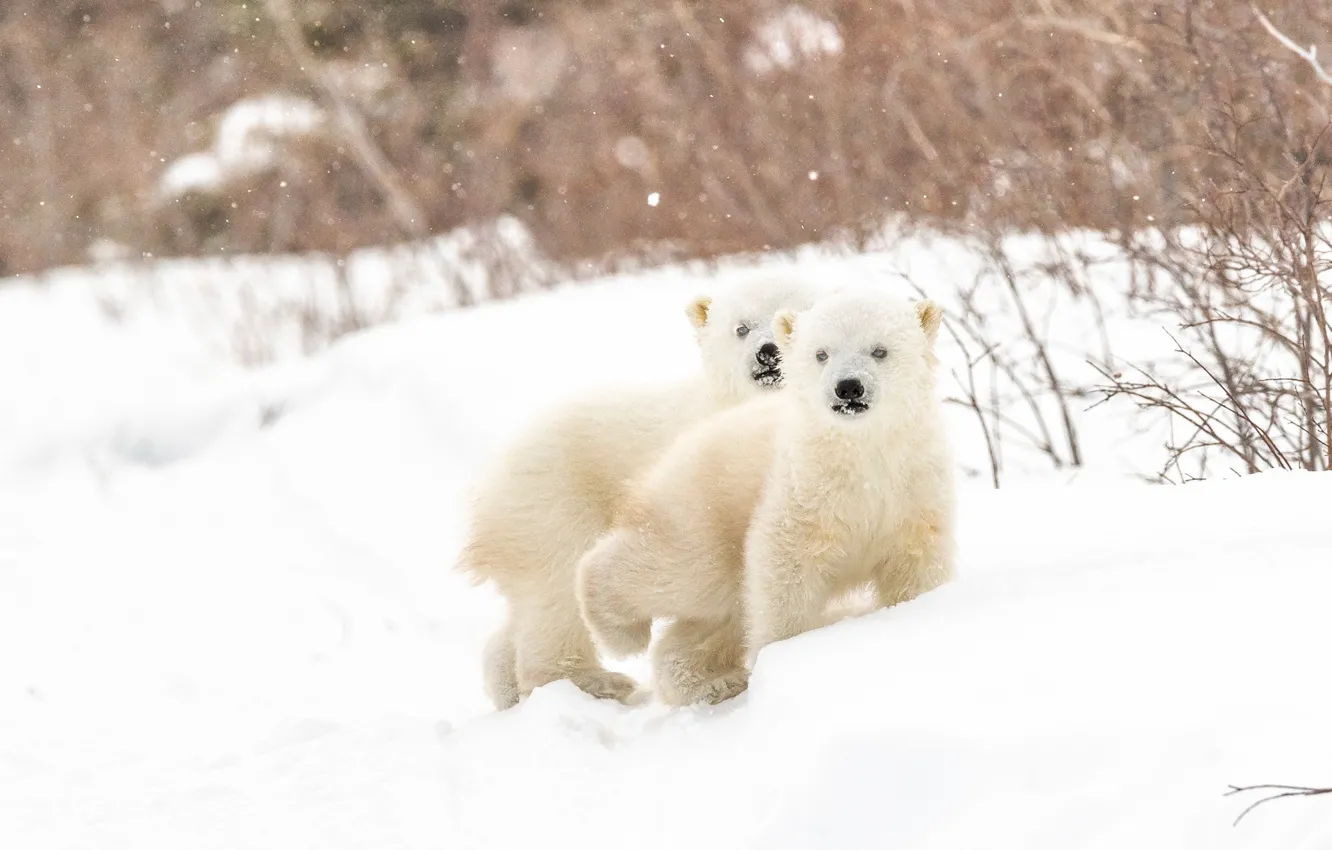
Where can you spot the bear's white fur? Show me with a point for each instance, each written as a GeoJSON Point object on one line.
{"type": "Point", "coordinates": [556, 490]}
{"type": "Point", "coordinates": [759, 517]}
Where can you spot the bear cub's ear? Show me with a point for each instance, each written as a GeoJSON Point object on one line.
{"type": "Point", "coordinates": [697, 311]}
{"type": "Point", "coordinates": [931, 317]}
{"type": "Point", "coordinates": [783, 326]}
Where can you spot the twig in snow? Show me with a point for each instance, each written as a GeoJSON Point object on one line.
{"type": "Point", "coordinates": [1278, 791]}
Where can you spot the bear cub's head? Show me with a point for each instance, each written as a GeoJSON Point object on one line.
{"type": "Point", "coordinates": [734, 327]}
{"type": "Point", "coordinates": [861, 355]}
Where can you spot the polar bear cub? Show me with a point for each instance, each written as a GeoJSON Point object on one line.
{"type": "Point", "coordinates": [757, 518]}
{"type": "Point", "coordinates": [558, 487]}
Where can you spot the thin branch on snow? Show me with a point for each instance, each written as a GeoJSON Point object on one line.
{"type": "Point", "coordinates": [1309, 55]}
{"type": "Point", "coordinates": [1278, 791]}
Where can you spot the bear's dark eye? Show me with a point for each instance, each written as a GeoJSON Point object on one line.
{"type": "Point", "coordinates": [879, 353]}
{"type": "Point", "coordinates": [742, 330]}
{"type": "Point", "coordinates": [821, 355]}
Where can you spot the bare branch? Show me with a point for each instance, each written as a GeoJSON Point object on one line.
{"type": "Point", "coordinates": [406, 212]}
{"type": "Point", "coordinates": [1009, 277]}
{"type": "Point", "coordinates": [1309, 55]}
{"type": "Point", "coordinates": [1087, 31]}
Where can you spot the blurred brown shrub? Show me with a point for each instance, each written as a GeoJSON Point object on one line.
{"type": "Point", "coordinates": [567, 114]}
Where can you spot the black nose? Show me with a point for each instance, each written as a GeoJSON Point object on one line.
{"type": "Point", "coordinates": [768, 354]}
{"type": "Point", "coordinates": [849, 389]}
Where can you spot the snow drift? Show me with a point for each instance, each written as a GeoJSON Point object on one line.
{"type": "Point", "coordinates": [227, 620]}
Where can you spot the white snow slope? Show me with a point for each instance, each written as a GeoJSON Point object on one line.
{"type": "Point", "coordinates": [228, 620]}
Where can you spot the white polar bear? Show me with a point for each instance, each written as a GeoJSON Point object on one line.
{"type": "Point", "coordinates": [557, 488]}
{"type": "Point", "coordinates": [757, 518]}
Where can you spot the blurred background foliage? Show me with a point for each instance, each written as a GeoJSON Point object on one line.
{"type": "Point", "coordinates": [196, 127]}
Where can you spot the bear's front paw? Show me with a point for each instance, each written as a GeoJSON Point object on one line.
{"type": "Point", "coordinates": [724, 687]}
{"type": "Point", "coordinates": [605, 684]}
{"type": "Point", "coordinates": [712, 691]}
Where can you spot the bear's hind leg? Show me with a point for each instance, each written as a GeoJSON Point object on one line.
{"type": "Point", "coordinates": [498, 669]}
{"type": "Point", "coordinates": [552, 643]}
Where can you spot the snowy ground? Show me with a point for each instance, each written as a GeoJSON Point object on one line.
{"type": "Point", "coordinates": [227, 620]}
